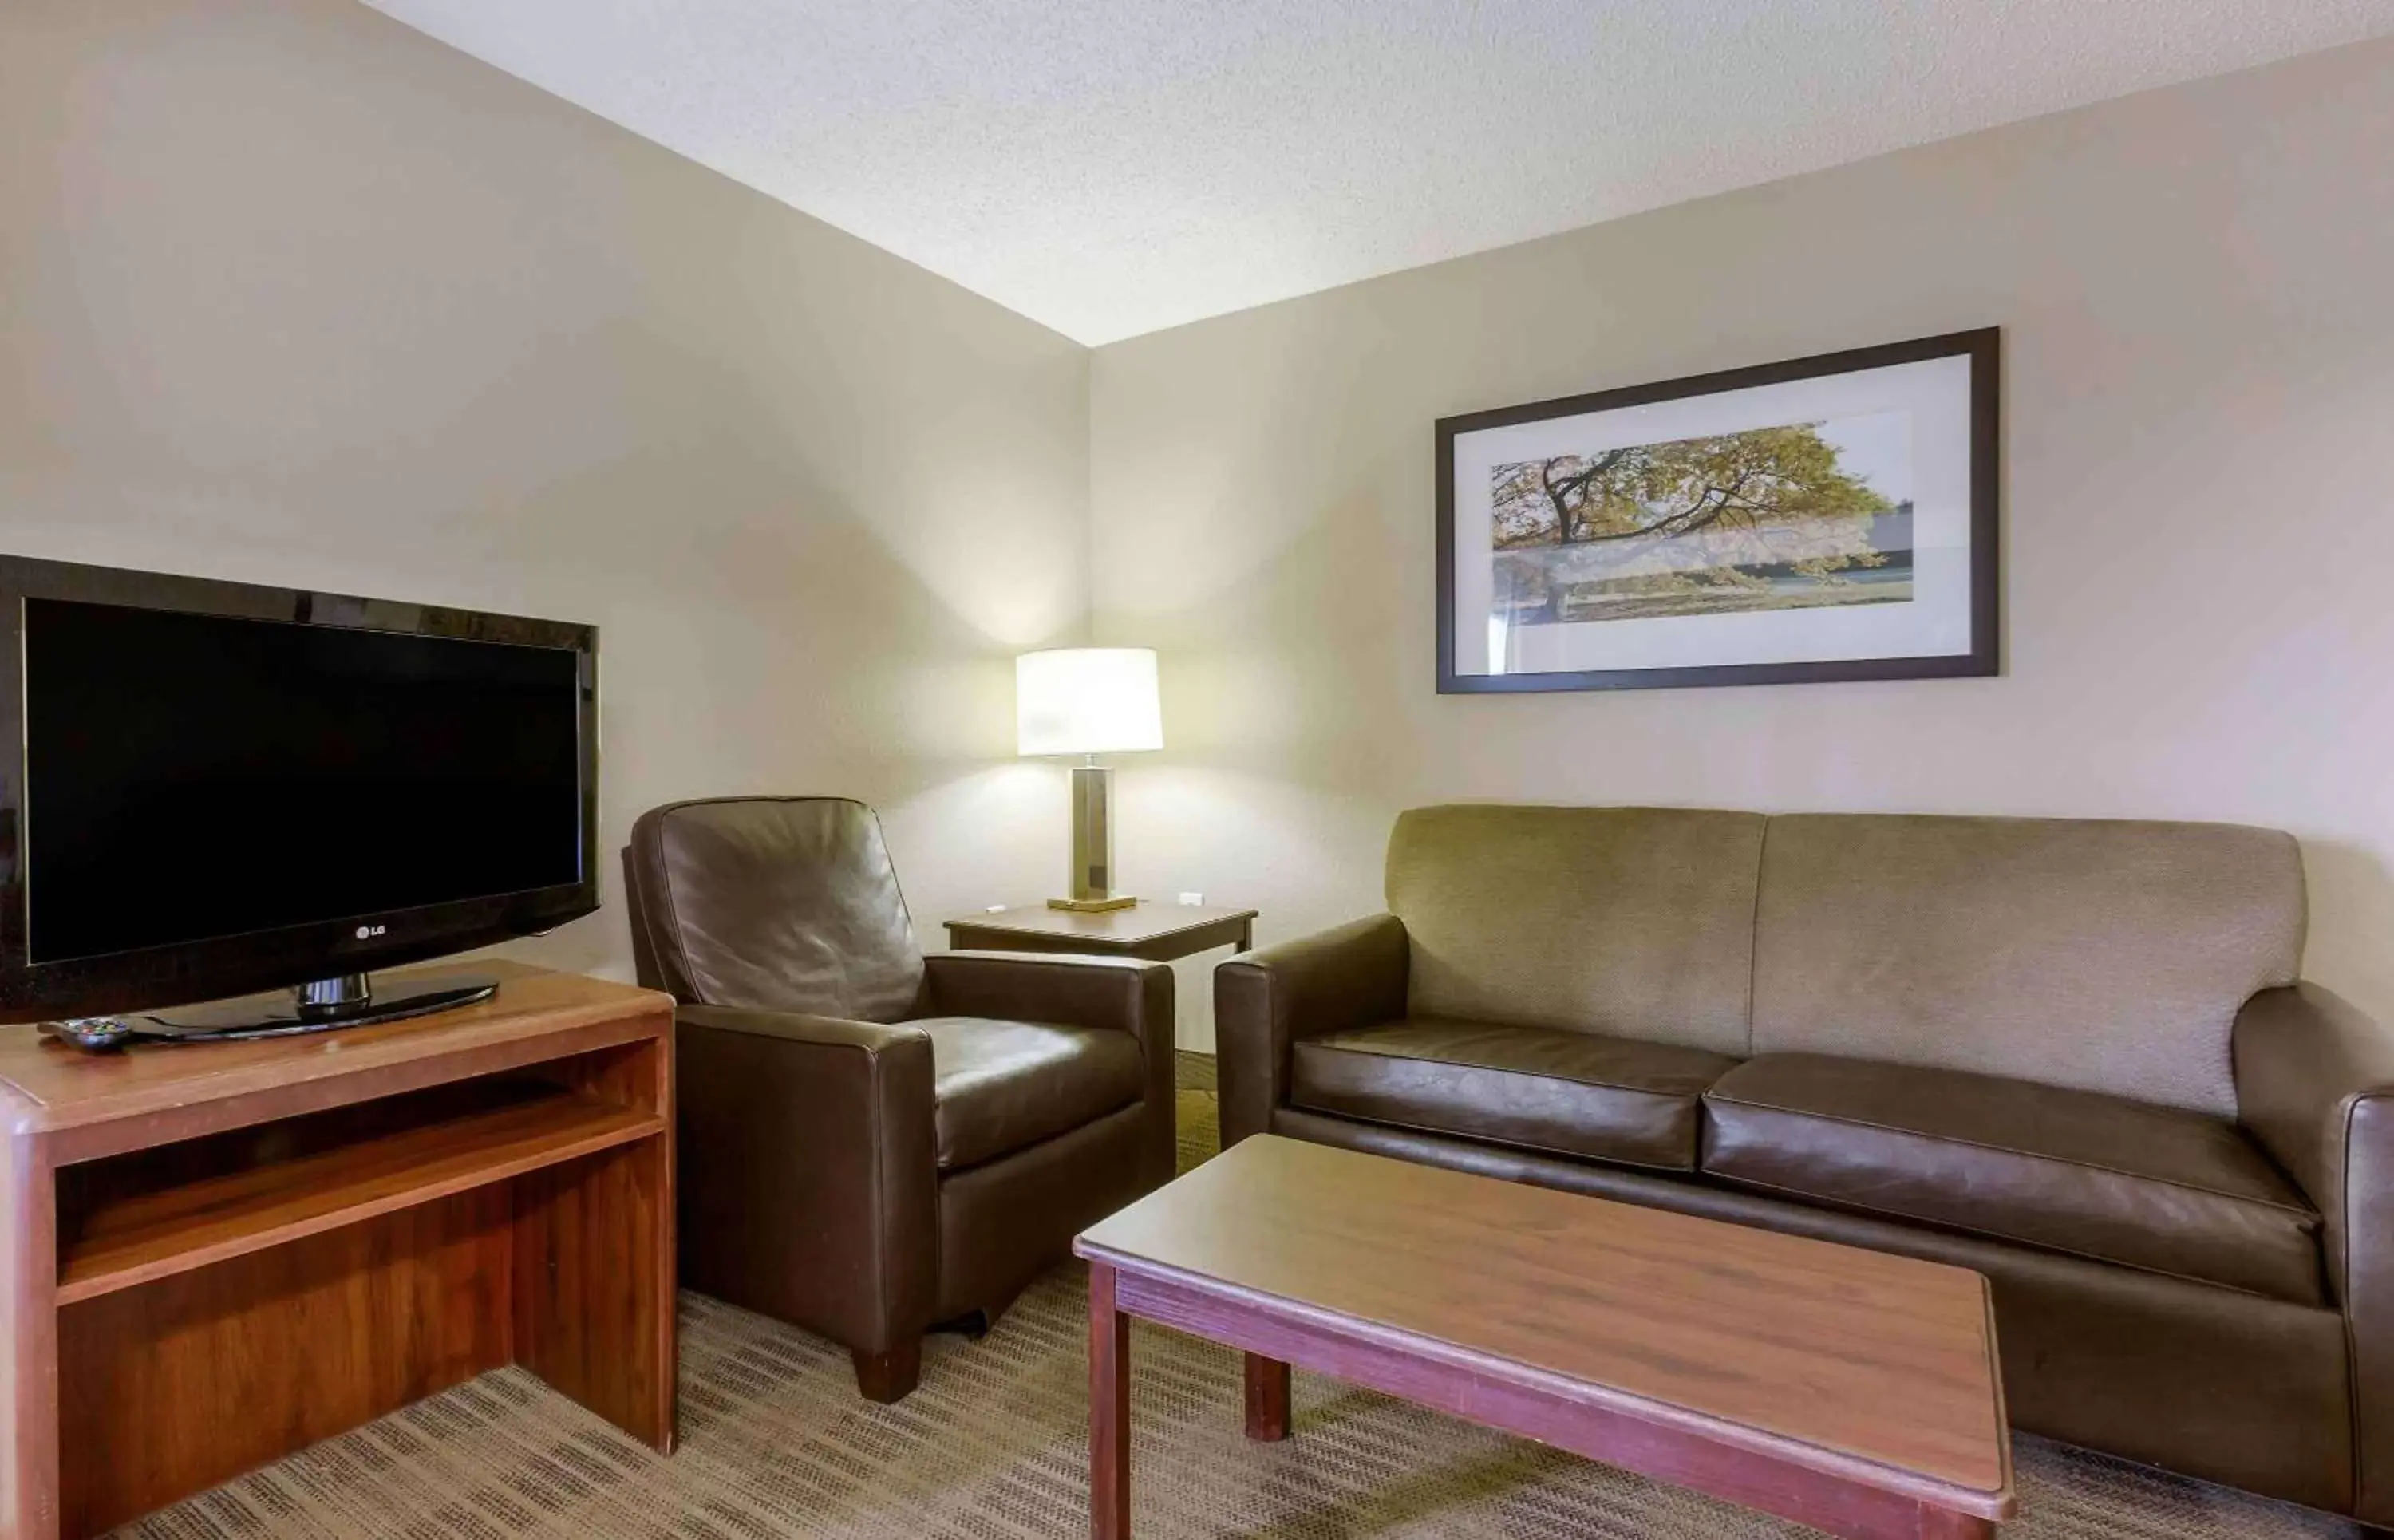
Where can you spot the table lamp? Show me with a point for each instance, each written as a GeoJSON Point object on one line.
{"type": "Point", "coordinates": [1088, 700]}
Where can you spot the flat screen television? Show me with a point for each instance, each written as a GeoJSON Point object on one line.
{"type": "Point", "coordinates": [210, 788]}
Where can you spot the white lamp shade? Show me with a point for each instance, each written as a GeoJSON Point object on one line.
{"type": "Point", "coordinates": [1087, 700]}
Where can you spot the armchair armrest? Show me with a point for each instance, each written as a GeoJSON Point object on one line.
{"type": "Point", "coordinates": [809, 1169]}
{"type": "Point", "coordinates": [1068, 990]}
{"type": "Point", "coordinates": [1340, 979]}
{"type": "Point", "coordinates": [1117, 993]}
{"type": "Point", "coordinates": [2315, 1085]}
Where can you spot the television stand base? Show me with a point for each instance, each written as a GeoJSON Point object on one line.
{"type": "Point", "coordinates": [324, 1005]}
{"type": "Point", "coordinates": [215, 1258]}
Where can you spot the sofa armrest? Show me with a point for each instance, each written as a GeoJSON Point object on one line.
{"type": "Point", "coordinates": [2315, 1085]}
{"type": "Point", "coordinates": [1075, 991]}
{"type": "Point", "coordinates": [1263, 1002]}
{"type": "Point", "coordinates": [809, 1170]}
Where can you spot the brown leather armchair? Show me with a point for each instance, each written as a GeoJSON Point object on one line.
{"type": "Point", "coordinates": [873, 1140]}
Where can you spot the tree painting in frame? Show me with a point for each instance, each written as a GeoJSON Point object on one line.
{"type": "Point", "coordinates": [1829, 518]}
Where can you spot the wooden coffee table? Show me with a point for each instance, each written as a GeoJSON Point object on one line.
{"type": "Point", "coordinates": [1844, 1388]}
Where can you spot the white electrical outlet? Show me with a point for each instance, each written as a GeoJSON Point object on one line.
{"type": "Point", "coordinates": [1192, 900]}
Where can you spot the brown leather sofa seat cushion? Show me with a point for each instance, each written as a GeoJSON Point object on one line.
{"type": "Point", "coordinates": [2144, 1186]}
{"type": "Point", "coordinates": [1000, 1086]}
{"type": "Point", "coordinates": [1571, 1093]}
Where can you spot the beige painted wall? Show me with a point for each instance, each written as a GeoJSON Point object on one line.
{"type": "Point", "coordinates": [290, 293]}
{"type": "Point", "coordinates": [2197, 287]}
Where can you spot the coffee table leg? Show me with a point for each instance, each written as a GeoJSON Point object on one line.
{"type": "Point", "coordinates": [1109, 1410]}
{"type": "Point", "coordinates": [1267, 1399]}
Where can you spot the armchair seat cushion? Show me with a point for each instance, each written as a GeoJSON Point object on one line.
{"type": "Point", "coordinates": [999, 1087]}
{"type": "Point", "coordinates": [2145, 1186]}
{"type": "Point", "coordinates": [1571, 1093]}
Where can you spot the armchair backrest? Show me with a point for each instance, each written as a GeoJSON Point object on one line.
{"type": "Point", "coordinates": [783, 904]}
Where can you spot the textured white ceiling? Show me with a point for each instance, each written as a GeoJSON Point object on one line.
{"type": "Point", "coordinates": [1114, 166]}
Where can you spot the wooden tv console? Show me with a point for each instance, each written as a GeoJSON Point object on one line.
{"type": "Point", "coordinates": [214, 1254]}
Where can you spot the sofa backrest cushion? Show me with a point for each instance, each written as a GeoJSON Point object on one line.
{"type": "Point", "coordinates": [1633, 921]}
{"type": "Point", "coordinates": [2101, 955]}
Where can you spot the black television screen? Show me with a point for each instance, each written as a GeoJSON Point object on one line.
{"type": "Point", "coordinates": [209, 788]}
{"type": "Point", "coordinates": [190, 776]}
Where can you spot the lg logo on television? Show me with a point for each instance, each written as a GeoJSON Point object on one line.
{"type": "Point", "coordinates": [368, 932]}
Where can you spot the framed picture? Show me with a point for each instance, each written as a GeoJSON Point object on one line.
{"type": "Point", "coordinates": [1828, 518]}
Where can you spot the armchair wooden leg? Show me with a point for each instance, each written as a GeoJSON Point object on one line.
{"type": "Point", "coordinates": [889, 1377]}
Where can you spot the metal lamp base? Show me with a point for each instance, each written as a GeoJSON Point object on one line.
{"type": "Point", "coordinates": [1091, 890]}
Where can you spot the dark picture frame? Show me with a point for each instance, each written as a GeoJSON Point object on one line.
{"type": "Point", "coordinates": [1982, 657]}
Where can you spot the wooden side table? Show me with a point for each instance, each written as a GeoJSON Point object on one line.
{"type": "Point", "coordinates": [1151, 932]}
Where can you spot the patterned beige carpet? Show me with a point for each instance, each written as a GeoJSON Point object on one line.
{"type": "Point", "coordinates": [776, 1444]}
